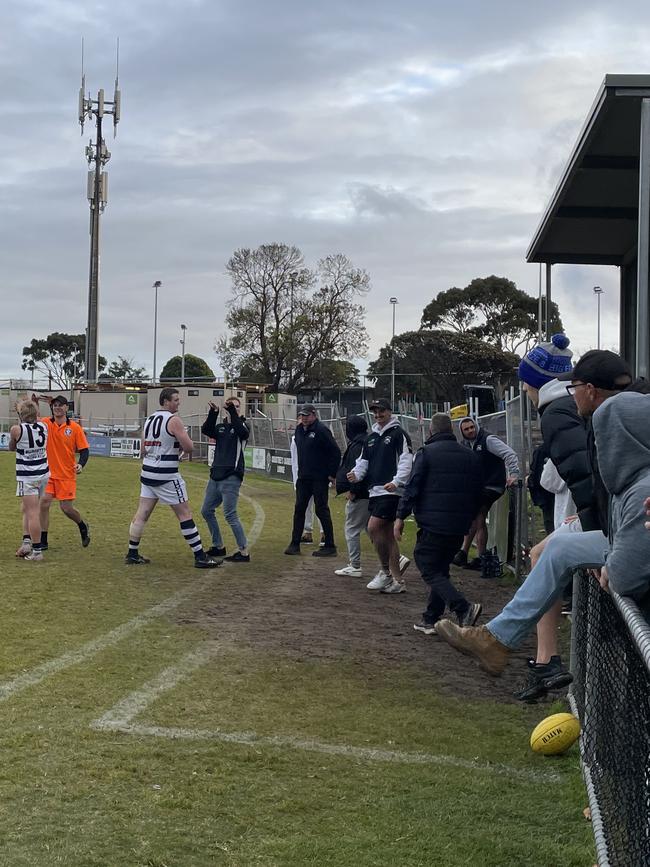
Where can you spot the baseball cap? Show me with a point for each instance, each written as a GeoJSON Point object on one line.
{"type": "Point", "coordinates": [601, 368]}
{"type": "Point", "coordinates": [307, 409]}
{"type": "Point", "coordinates": [381, 403]}
{"type": "Point", "coordinates": [60, 399]}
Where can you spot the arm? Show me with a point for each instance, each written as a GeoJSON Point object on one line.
{"type": "Point", "coordinates": [412, 488]}
{"type": "Point", "coordinates": [628, 563]}
{"type": "Point", "coordinates": [333, 452]}
{"type": "Point", "coordinates": [293, 448]}
{"type": "Point", "coordinates": [209, 425]}
{"type": "Point", "coordinates": [404, 465]}
{"type": "Point", "coordinates": [551, 480]}
{"type": "Point", "coordinates": [565, 437]}
{"type": "Point", "coordinates": [176, 427]}
{"type": "Point", "coordinates": [360, 469]}
{"type": "Point", "coordinates": [239, 423]}
{"type": "Point", "coordinates": [509, 458]}
{"type": "Point", "coordinates": [14, 436]}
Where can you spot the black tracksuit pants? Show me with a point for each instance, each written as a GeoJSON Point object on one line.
{"type": "Point", "coordinates": [433, 555]}
{"type": "Point", "coordinates": [318, 488]}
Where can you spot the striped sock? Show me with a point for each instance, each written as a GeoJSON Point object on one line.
{"type": "Point", "coordinates": [192, 536]}
{"type": "Point", "coordinates": [133, 547]}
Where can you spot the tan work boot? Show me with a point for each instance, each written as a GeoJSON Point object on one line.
{"type": "Point", "coordinates": [476, 641]}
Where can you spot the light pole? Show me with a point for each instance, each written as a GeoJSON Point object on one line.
{"type": "Point", "coordinates": [156, 287]}
{"type": "Point", "coordinates": [75, 349]}
{"type": "Point", "coordinates": [393, 301]}
{"type": "Point", "coordinates": [598, 292]}
{"type": "Point", "coordinates": [183, 329]}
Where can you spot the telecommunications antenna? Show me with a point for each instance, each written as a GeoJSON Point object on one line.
{"type": "Point", "coordinates": [82, 91]}
{"type": "Point", "coordinates": [117, 96]}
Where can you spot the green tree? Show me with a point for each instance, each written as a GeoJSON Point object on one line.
{"type": "Point", "coordinates": [284, 317]}
{"type": "Point", "coordinates": [195, 368]}
{"type": "Point", "coordinates": [438, 363]}
{"type": "Point", "coordinates": [58, 357]}
{"type": "Point", "coordinates": [123, 369]}
{"type": "Point", "coordinates": [329, 372]}
{"type": "Point", "coordinates": [493, 309]}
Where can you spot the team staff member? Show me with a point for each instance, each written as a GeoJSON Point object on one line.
{"type": "Point", "coordinates": [65, 440]}
{"type": "Point", "coordinates": [226, 476]}
{"type": "Point", "coordinates": [385, 464]}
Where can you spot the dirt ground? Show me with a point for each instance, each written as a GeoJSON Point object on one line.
{"type": "Point", "coordinates": [300, 609]}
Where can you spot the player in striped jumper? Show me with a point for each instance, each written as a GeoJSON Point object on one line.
{"type": "Point", "coordinates": [29, 440]}
{"type": "Point", "coordinates": [164, 442]}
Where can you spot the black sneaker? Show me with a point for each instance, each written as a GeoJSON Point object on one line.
{"type": "Point", "coordinates": [426, 628]}
{"type": "Point", "coordinates": [44, 546]}
{"type": "Point", "coordinates": [85, 536]}
{"type": "Point", "coordinates": [543, 678]}
{"type": "Point", "coordinates": [138, 560]}
{"type": "Point", "coordinates": [472, 614]}
{"type": "Point", "coordinates": [238, 557]}
{"type": "Point", "coordinates": [460, 559]}
{"type": "Point", "coordinates": [202, 561]}
{"type": "Point", "coordinates": [476, 564]}
{"type": "Point", "coordinates": [292, 548]}
{"type": "Point", "coordinates": [325, 551]}
{"type": "Point", "coordinates": [216, 552]}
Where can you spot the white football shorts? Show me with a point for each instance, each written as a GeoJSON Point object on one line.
{"type": "Point", "coordinates": [32, 487]}
{"type": "Point", "coordinates": [171, 493]}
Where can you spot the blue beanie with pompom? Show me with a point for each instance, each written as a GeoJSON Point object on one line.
{"type": "Point", "coordinates": [546, 361]}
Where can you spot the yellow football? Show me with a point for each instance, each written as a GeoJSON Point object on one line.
{"type": "Point", "coordinates": [555, 734]}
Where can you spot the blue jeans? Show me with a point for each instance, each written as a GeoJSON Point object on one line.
{"type": "Point", "coordinates": [225, 491]}
{"type": "Point", "coordinates": [544, 585]}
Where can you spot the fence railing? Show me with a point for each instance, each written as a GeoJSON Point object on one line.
{"type": "Point", "coordinates": [611, 696]}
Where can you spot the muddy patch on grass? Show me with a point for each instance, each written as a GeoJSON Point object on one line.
{"type": "Point", "coordinates": [303, 611]}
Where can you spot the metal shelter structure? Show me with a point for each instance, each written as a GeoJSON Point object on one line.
{"type": "Point", "coordinates": [599, 213]}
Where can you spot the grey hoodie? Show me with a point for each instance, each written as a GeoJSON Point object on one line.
{"type": "Point", "coordinates": [622, 430]}
{"type": "Point", "coordinates": [494, 445]}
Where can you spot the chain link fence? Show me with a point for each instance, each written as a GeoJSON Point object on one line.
{"type": "Point", "coordinates": [611, 697]}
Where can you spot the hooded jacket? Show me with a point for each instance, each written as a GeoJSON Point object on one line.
{"type": "Point", "coordinates": [565, 438]}
{"type": "Point", "coordinates": [229, 437]}
{"type": "Point", "coordinates": [499, 460]}
{"type": "Point", "coordinates": [444, 490]}
{"type": "Point", "coordinates": [622, 431]}
{"type": "Point", "coordinates": [316, 450]}
{"type": "Point", "coordinates": [386, 457]}
{"type": "Point", "coordinates": [356, 430]}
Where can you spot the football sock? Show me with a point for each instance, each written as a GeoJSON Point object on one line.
{"type": "Point", "coordinates": [83, 528]}
{"type": "Point", "coordinates": [192, 536]}
{"type": "Point", "coordinates": [43, 537]}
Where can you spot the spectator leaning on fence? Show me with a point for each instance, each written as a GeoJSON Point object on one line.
{"type": "Point", "coordinates": [500, 470]}
{"type": "Point", "coordinates": [597, 377]}
{"type": "Point", "coordinates": [318, 460]}
{"type": "Point", "coordinates": [622, 431]}
{"type": "Point", "coordinates": [443, 492]}
{"type": "Point", "coordinates": [356, 496]}
{"type": "Point", "coordinates": [226, 476]}
{"type": "Point", "coordinates": [385, 464]}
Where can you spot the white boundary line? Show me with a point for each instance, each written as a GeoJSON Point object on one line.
{"type": "Point", "coordinates": [52, 667]}
{"type": "Point", "coordinates": [120, 719]}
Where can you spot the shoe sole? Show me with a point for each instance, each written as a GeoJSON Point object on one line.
{"type": "Point", "coordinates": [348, 574]}
{"type": "Point", "coordinates": [128, 562]}
{"type": "Point", "coordinates": [425, 630]}
{"type": "Point", "coordinates": [402, 569]}
{"type": "Point", "coordinates": [203, 565]}
{"type": "Point", "coordinates": [323, 554]}
{"type": "Point", "coordinates": [389, 591]}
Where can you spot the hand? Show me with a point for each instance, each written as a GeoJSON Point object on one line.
{"type": "Point", "coordinates": [398, 529]}
{"type": "Point", "coordinates": [213, 406]}
{"type": "Point", "coordinates": [570, 519]}
{"type": "Point", "coordinates": [603, 579]}
{"type": "Point", "coordinates": [511, 480]}
{"type": "Point", "coordinates": [331, 479]}
{"type": "Point", "coordinates": [390, 487]}
{"type": "Point", "coordinates": [78, 468]}
{"type": "Point", "coordinates": [351, 477]}
{"type": "Point", "coordinates": [350, 496]}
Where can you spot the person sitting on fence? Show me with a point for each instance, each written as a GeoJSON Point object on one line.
{"type": "Point", "coordinates": [500, 470]}
{"type": "Point", "coordinates": [356, 496]}
{"type": "Point", "coordinates": [443, 492]}
{"type": "Point", "coordinates": [318, 460]}
{"type": "Point", "coordinates": [623, 442]}
{"type": "Point", "coordinates": [597, 377]}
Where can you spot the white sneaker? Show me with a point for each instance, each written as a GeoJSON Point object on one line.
{"type": "Point", "coordinates": [394, 587]}
{"type": "Point", "coordinates": [349, 570]}
{"type": "Point", "coordinates": [34, 555]}
{"type": "Point", "coordinates": [380, 581]}
{"type": "Point", "coordinates": [24, 550]}
{"type": "Point", "coordinates": [404, 563]}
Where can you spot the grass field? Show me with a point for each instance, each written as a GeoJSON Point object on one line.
{"type": "Point", "coordinates": [266, 714]}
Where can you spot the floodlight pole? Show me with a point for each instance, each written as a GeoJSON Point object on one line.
{"type": "Point", "coordinates": [598, 292]}
{"type": "Point", "coordinates": [156, 287]}
{"type": "Point", "coordinates": [184, 329]}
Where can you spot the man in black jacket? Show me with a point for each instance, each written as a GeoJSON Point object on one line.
{"type": "Point", "coordinates": [444, 493]}
{"type": "Point", "coordinates": [356, 495]}
{"type": "Point", "coordinates": [226, 475]}
{"type": "Point", "coordinates": [318, 460]}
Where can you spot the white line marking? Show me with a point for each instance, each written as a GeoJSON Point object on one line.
{"type": "Point", "coordinates": [119, 719]}
{"type": "Point", "coordinates": [74, 657]}
{"type": "Point", "coordinates": [258, 524]}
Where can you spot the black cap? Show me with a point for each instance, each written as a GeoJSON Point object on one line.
{"type": "Point", "coordinates": [381, 403]}
{"type": "Point", "coordinates": [60, 399]}
{"type": "Point", "coordinates": [601, 368]}
{"type": "Point", "coordinates": [307, 409]}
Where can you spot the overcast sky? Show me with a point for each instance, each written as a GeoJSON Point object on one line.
{"type": "Point", "coordinates": [421, 139]}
